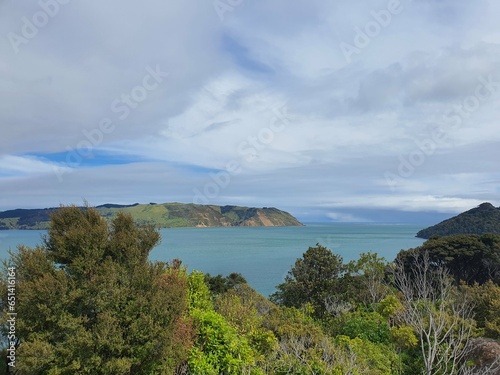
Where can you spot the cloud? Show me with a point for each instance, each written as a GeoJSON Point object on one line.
{"type": "Point", "coordinates": [12, 165]}
{"type": "Point", "coordinates": [350, 120]}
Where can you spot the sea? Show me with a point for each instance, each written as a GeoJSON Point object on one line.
{"type": "Point", "coordinates": [263, 255]}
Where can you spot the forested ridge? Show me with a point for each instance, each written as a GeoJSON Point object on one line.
{"type": "Point", "coordinates": [88, 301]}
{"type": "Point", "coordinates": [482, 219]}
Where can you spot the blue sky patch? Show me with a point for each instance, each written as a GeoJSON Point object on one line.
{"type": "Point", "coordinates": [84, 158]}
{"type": "Point", "coordinates": [197, 169]}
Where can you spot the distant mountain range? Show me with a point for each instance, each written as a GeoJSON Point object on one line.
{"type": "Point", "coordinates": [480, 220]}
{"type": "Point", "coordinates": [164, 215]}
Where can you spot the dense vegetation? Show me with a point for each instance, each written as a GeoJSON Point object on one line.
{"type": "Point", "coordinates": [90, 302]}
{"type": "Point", "coordinates": [480, 220]}
{"type": "Point", "coordinates": [469, 258]}
{"type": "Point", "coordinates": [165, 215]}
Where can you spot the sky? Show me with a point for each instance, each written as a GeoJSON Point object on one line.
{"type": "Point", "coordinates": [369, 111]}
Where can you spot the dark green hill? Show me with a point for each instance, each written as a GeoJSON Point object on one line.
{"type": "Point", "coordinates": [480, 220]}
{"type": "Point", "coordinates": [164, 215]}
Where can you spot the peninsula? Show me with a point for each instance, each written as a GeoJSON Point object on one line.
{"type": "Point", "coordinates": [163, 215]}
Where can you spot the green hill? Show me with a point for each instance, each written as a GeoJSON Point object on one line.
{"type": "Point", "coordinates": [165, 215]}
{"type": "Point", "coordinates": [480, 220]}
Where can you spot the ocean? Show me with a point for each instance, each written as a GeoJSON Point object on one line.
{"type": "Point", "coordinates": [263, 255]}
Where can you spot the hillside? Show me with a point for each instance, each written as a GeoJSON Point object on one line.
{"type": "Point", "coordinates": [480, 220]}
{"type": "Point", "coordinates": [165, 215]}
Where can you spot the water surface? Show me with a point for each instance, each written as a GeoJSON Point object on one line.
{"type": "Point", "coordinates": [263, 255]}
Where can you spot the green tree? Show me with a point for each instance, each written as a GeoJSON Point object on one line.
{"type": "Point", "coordinates": [371, 358]}
{"type": "Point", "coordinates": [469, 258]}
{"type": "Point", "coordinates": [89, 302]}
{"type": "Point", "coordinates": [219, 284]}
{"type": "Point", "coordinates": [369, 326]}
{"type": "Point", "coordinates": [218, 348]}
{"type": "Point", "coordinates": [313, 278]}
{"type": "Point", "coordinates": [369, 273]}
{"type": "Point", "coordinates": [245, 310]}
{"type": "Point", "coordinates": [486, 300]}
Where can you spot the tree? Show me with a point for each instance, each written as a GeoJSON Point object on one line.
{"type": "Point", "coordinates": [313, 278]}
{"type": "Point", "coordinates": [469, 258]}
{"type": "Point", "coordinates": [486, 299]}
{"type": "Point", "coordinates": [370, 270]}
{"type": "Point", "coordinates": [220, 284]}
{"type": "Point", "coordinates": [441, 317]}
{"type": "Point", "coordinates": [89, 302]}
{"type": "Point", "coordinates": [218, 347]}
{"type": "Point", "coordinates": [303, 347]}
{"type": "Point", "coordinates": [369, 326]}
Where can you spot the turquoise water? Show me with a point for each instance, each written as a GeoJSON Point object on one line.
{"type": "Point", "coordinates": [263, 255]}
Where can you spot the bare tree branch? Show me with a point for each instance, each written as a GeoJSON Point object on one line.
{"type": "Point", "coordinates": [335, 306]}
{"type": "Point", "coordinates": [437, 312]}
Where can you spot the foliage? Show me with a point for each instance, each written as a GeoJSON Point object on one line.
{"type": "Point", "coordinates": [404, 337]}
{"type": "Point", "coordinates": [389, 306]}
{"type": "Point", "coordinates": [377, 359]}
{"type": "Point", "coordinates": [480, 220]}
{"type": "Point", "coordinates": [486, 299]}
{"type": "Point", "coordinates": [89, 302]}
{"type": "Point", "coordinates": [304, 348]}
{"type": "Point", "coordinates": [198, 292]}
{"type": "Point", "coordinates": [469, 258]}
{"type": "Point", "coordinates": [369, 326]}
{"type": "Point", "coordinates": [370, 270]}
{"type": "Point", "coordinates": [218, 349]}
{"type": "Point", "coordinates": [220, 284]}
{"type": "Point", "coordinates": [312, 279]}
{"type": "Point", "coordinates": [245, 310]}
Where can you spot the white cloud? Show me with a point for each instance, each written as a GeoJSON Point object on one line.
{"type": "Point", "coordinates": [12, 165]}
{"type": "Point", "coordinates": [349, 123]}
